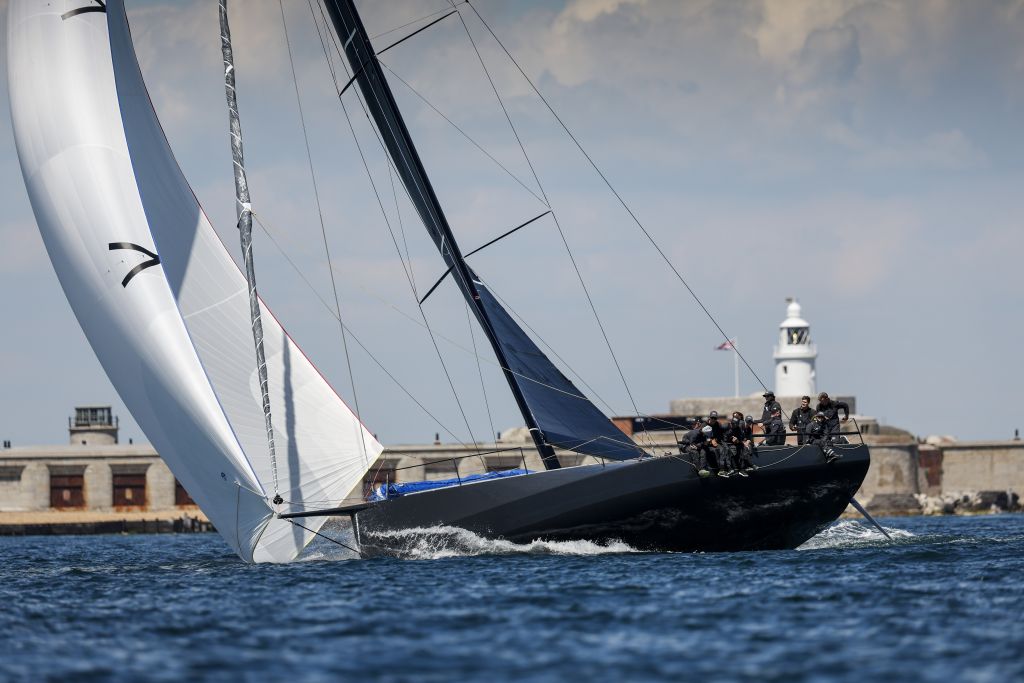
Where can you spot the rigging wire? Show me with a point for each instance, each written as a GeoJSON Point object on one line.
{"type": "Point", "coordinates": [332, 540]}
{"type": "Point", "coordinates": [401, 227]}
{"type": "Point", "coordinates": [480, 372]}
{"type": "Point", "coordinates": [323, 233]}
{"type": "Point", "coordinates": [554, 216]}
{"type": "Point", "coordinates": [621, 201]}
{"type": "Point", "coordinates": [410, 23]}
{"type": "Point", "coordinates": [464, 134]}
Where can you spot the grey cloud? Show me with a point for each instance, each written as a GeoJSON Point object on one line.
{"type": "Point", "coordinates": [829, 57]}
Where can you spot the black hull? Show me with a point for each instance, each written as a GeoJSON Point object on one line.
{"type": "Point", "coordinates": [658, 504]}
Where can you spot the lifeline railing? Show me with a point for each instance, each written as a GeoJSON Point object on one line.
{"type": "Point", "coordinates": [858, 432]}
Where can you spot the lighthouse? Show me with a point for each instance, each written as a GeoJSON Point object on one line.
{"type": "Point", "coordinates": [795, 355]}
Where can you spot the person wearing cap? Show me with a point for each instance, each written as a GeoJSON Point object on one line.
{"type": "Point", "coordinates": [714, 422]}
{"type": "Point", "coordinates": [770, 406]}
{"type": "Point", "coordinates": [694, 443]}
{"type": "Point", "coordinates": [831, 410]}
{"type": "Point", "coordinates": [800, 418]}
{"type": "Point", "coordinates": [818, 435]}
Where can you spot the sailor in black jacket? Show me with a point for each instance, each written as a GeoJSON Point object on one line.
{"type": "Point", "coordinates": [819, 435]}
{"type": "Point", "coordinates": [770, 406]}
{"type": "Point", "coordinates": [831, 410]}
{"type": "Point", "coordinates": [800, 418]}
{"type": "Point", "coordinates": [775, 429]}
{"type": "Point", "coordinates": [695, 444]}
{"type": "Point", "coordinates": [717, 431]}
{"type": "Point", "coordinates": [738, 438]}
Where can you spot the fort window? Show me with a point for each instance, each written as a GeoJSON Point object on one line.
{"type": "Point", "coordinates": [89, 416]}
{"type": "Point", "coordinates": [129, 490]}
{"type": "Point", "coordinates": [11, 474]}
{"type": "Point", "coordinates": [440, 469]}
{"type": "Point", "coordinates": [181, 497]}
{"type": "Point", "coordinates": [129, 485]}
{"type": "Point", "coordinates": [503, 463]}
{"type": "Point", "coordinates": [67, 487]}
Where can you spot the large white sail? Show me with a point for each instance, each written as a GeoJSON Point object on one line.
{"type": "Point", "coordinates": [172, 336]}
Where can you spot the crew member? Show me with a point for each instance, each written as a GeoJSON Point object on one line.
{"type": "Point", "coordinates": [800, 418]}
{"type": "Point", "coordinates": [770, 406]}
{"type": "Point", "coordinates": [717, 453]}
{"type": "Point", "coordinates": [748, 424]}
{"type": "Point", "coordinates": [831, 410]}
{"type": "Point", "coordinates": [717, 432]}
{"type": "Point", "coordinates": [775, 428]}
{"type": "Point", "coordinates": [818, 435]}
{"type": "Point", "coordinates": [736, 440]}
{"type": "Point", "coordinates": [694, 443]}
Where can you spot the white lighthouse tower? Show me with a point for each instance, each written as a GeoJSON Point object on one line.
{"type": "Point", "coordinates": [795, 355]}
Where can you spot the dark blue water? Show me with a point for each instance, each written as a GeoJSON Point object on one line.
{"type": "Point", "coordinates": [944, 601]}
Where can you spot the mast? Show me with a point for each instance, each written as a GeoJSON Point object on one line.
{"type": "Point", "coordinates": [384, 110]}
{"type": "Point", "coordinates": [245, 233]}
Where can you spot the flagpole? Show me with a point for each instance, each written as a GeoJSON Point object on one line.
{"type": "Point", "coordinates": [736, 365]}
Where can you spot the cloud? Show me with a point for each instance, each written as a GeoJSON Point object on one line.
{"type": "Point", "coordinates": [830, 55]}
{"type": "Point", "coordinates": [786, 25]}
{"type": "Point", "coordinates": [948, 150]}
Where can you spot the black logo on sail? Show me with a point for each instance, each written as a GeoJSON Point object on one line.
{"type": "Point", "coordinates": [153, 259]}
{"type": "Point", "coordinates": [100, 6]}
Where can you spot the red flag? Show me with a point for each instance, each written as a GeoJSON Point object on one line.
{"type": "Point", "coordinates": [726, 346]}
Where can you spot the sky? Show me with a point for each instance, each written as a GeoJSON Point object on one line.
{"type": "Point", "coordinates": [864, 156]}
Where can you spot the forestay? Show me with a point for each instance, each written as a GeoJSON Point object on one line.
{"type": "Point", "coordinates": [159, 298]}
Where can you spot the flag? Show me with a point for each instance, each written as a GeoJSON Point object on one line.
{"type": "Point", "coordinates": [726, 346]}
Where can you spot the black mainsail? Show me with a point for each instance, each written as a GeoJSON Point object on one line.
{"type": "Point", "coordinates": [556, 412]}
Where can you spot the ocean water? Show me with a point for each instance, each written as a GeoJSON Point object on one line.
{"type": "Point", "coordinates": [942, 601]}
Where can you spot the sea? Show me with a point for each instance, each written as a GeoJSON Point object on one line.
{"type": "Point", "coordinates": [942, 601]}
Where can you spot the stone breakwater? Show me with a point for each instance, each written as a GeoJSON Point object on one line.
{"type": "Point", "coordinates": [85, 522]}
{"type": "Point", "coordinates": [945, 477]}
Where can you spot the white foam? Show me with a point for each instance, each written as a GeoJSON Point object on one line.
{"type": "Point", "coordinates": [851, 534]}
{"type": "Point", "coordinates": [444, 541]}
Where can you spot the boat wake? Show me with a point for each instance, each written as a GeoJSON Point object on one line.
{"type": "Point", "coordinates": [852, 534]}
{"type": "Point", "coordinates": [444, 541]}
{"type": "Point", "coordinates": [440, 542]}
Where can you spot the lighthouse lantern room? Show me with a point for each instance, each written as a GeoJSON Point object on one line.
{"type": "Point", "coordinates": [795, 355]}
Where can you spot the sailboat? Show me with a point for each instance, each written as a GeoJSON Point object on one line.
{"type": "Point", "coordinates": [268, 449]}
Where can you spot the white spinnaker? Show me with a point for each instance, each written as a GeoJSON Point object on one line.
{"type": "Point", "coordinates": [323, 451]}
{"type": "Point", "coordinates": [175, 341]}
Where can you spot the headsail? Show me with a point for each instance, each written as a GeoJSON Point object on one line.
{"type": "Point", "coordinates": [557, 413]}
{"type": "Point", "coordinates": [174, 338]}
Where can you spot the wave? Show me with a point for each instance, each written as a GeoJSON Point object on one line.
{"type": "Point", "coordinates": [852, 534]}
{"type": "Point", "coordinates": [439, 542]}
